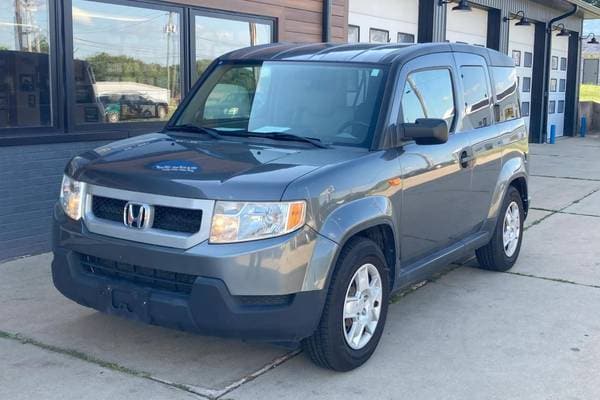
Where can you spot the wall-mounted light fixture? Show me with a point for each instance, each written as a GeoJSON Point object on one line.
{"type": "Point", "coordinates": [520, 15]}
{"type": "Point", "coordinates": [593, 39]}
{"type": "Point", "coordinates": [463, 5]}
{"type": "Point", "coordinates": [562, 31]}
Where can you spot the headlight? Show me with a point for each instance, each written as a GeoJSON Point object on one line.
{"type": "Point", "coordinates": [71, 194]}
{"type": "Point", "coordinates": [240, 222]}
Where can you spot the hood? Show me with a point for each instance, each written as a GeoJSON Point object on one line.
{"type": "Point", "coordinates": [186, 166]}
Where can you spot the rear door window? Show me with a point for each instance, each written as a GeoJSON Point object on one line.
{"type": "Point", "coordinates": [428, 94]}
{"type": "Point", "coordinates": [507, 93]}
{"type": "Point", "coordinates": [476, 96]}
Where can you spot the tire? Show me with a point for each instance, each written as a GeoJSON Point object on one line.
{"type": "Point", "coordinates": [495, 256]}
{"type": "Point", "coordinates": [328, 346]}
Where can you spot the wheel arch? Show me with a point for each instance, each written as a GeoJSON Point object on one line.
{"type": "Point", "coordinates": [520, 183]}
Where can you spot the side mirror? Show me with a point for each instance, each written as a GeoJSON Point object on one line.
{"type": "Point", "coordinates": [426, 131]}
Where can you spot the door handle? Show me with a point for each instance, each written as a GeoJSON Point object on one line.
{"type": "Point", "coordinates": [465, 158]}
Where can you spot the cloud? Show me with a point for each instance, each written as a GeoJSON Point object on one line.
{"type": "Point", "coordinates": [86, 17]}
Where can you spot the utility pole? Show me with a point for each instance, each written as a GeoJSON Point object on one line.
{"type": "Point", "coordinates": [170, 30]}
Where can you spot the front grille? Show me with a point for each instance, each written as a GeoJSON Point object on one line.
{"type": "Point", "coordinates": [177, 219]}
{"type": "Point", "coordinates": [107, 208]}
{"type": "Point", "coordinates": [166, 218]}
{"type": "Point", "coordinates": [149, 277]}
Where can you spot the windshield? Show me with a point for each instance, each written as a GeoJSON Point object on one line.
{"type": "Point", "coordinates": [333, 103]}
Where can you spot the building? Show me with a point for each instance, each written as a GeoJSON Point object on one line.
{"type": "Point", "coordinates": [516, 27]}
{"type": "Point", "coordinates": [75, 74]}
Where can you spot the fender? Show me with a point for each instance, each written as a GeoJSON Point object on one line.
{"type": "Point", "coordinates": [515, 167]}
{"type": "Point", "coordinates": [339, 226]}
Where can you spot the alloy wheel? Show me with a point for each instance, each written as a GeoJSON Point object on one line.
{"type": "Point", "coordinates": [362, 306]}
{"type": "Point", "coordinates": [512, 229]}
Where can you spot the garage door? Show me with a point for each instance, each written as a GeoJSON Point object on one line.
{"type": "Point", "coordinates": [383, 21]}
{"type": "Point", "coordinates": [467, 27]}
{"type": "Point", "coordinates": [521, 42]}
{"type": "Point", "coordinates": [558, 84]}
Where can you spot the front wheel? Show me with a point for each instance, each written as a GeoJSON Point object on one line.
{"type": "Point", "coordinates": [501, 253]}
{"type": "Point", "coordinates": [355, 310]}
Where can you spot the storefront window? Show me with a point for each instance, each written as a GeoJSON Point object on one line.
{"type": "Point", "coordinates": [25, 89]}
{"type": "Point", "coordinates": [216, 36]}
{"type": "Point", "coordinates": [126, 63]}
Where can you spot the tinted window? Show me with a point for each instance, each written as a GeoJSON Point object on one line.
{"type": "Point", "coordinates": [526, 84]}
{"type": "Point", "coordinates": [528, 60]}
{"type": "Point", "coordinates": [119, 50]}
{"type": "Point", "coordinates": [216, 36]}
{"type": "Point", "coordinates": [507, 94]}
{"type": "Point", "coordinates": [428, 94]}
{"type": "Point", "coordinates": [24, 64]}
{"type": "Point", "coordinates": [476, 96]}
{"type": "Point", "coordinates": [525, 108]}
{"type": "Point", "coordinates": [563, 85]}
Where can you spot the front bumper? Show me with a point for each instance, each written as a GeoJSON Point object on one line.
{"type": "Point", "coordinates": [208, 305]}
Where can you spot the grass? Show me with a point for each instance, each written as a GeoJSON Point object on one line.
{"type": "Point", "coordinates": [590, 93]}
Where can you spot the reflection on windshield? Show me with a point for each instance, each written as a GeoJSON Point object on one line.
{"type": "Point", "coordinates": [333, 103]}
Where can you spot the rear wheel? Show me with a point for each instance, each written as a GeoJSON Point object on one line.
{"type": "Point", "coordinates": [501, 253]}
{"type": "Point", "coordinates": [355, 310]}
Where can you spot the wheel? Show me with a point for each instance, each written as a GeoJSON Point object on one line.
{"type": "Point", "coordinates": [355, 309]}
{"type": "Point", "coordinates": [501, 253]}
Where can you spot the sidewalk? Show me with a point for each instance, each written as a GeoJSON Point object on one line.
{"type": "Point", "coordinates": [531, 333]}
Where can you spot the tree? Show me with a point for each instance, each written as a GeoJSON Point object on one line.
{"type": "Point", "coordinates": [594, 2]}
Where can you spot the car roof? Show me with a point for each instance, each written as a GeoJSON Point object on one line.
{"type": "Point", "coordinates": [359, 52]}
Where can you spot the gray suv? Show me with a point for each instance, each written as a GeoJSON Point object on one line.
{"type": "Point", "coordinates": [295, 189]}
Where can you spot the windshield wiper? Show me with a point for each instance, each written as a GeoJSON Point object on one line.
{"type": "Point", "coordinates": [288, 136]}
{"type": "Point", "coordinates": [194, 128]}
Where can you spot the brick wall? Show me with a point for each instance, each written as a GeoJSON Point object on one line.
{"type": "Point", "coordinates": [29, 185]}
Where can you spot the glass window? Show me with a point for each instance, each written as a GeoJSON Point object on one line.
{"type": "Point", "coordinates": [507, 94]}
{"type": "Point", "coordinates": [331, 102]}
{"type": "Point", "coordinates": [428, 94]}
{"type": "Point", "coordinates": [378, 36]}
{"type": "Point", "coordinates": [25, 87]}
{"type": "Point", "coordinates": [555, 63]}
{"type": "Point", "coordinates": [563, 85]}
{"type": "Point", "coordinates": [552, 107]}
{"type": "Point", "coordinates": [126, 62]}
{"type": "Point", "coordinates": [553, 85]}
{"type": "Point", "coordinates": [406, 37]}
{"type": "Point", "coordinates": [526, 84]}
{"type": "Point", "coordinates": [516, 56]}
{"type": "Point", "coordinates": [216, 36]}
{"type": "Point", "coordinates": [563, 64]}
{"type": "Point", "coordinates": [353, 34]}
{"type": "Point", "coordinates": [525, 108]}
{"type": "Point", "coordinates": [561, 106]}
{"type": "Point", "coordinates": [476, 96]}
{"type": "Point", "coordinates": [528, 59]}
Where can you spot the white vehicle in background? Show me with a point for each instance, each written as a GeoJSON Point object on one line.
{"type": "Point", "coordinates": [132, 100]}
